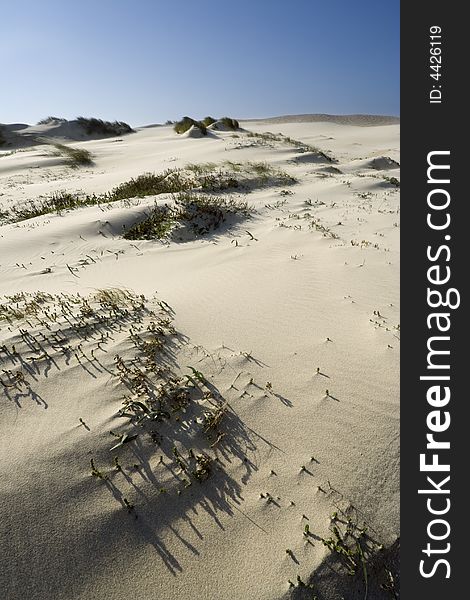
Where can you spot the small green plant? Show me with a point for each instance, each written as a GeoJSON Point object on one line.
{"type": "Point", "coordinates": [203, 467]}
{"type": "Point", "coordinates": [125, 438]}
{"type": "Point", "coordinates": [392, 180]}
{"type": "Point", "coordinates": [213, 417]}
{"type": "Point", "coordinates": [359, 555]}
{"type": "Point", "coordinates": [197, 375]}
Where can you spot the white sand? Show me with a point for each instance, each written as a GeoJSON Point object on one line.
{"type": "Point", "coordinates": [276, 298]}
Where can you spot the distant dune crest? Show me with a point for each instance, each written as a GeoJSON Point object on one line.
{"type": "Point", "coordinates": [361, 120]}
{"type": "Point", "coordinates": [82, 129]}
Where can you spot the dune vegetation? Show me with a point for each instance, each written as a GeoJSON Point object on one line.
{"type": "Point", "coordinates": [187, 122]}
{"type": "Point", "coordinates": [76, 157]}
{"type": "Point", "coordinates": [93, 126]}
{"type": "Point", "coordinates": [51, 121]}
{"type": "Point", "coordinates": [205, 177]}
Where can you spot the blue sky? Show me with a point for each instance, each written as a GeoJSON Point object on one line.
{"type": "Point", "coordinates": [146, 61]}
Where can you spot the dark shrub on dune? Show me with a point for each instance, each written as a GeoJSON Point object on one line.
{"type": "Point", "coordinates": [230, 123]}
{"type": "Point", "coordinates": [100, 127]}
{"type": "Point", "coordinates": [187, 122]}
{"type": "Point", "coordinates": [208, 121]}
{"type": "Point", "coordinates": [51, 121]}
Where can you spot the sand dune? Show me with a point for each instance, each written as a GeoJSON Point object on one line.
{"type": "Point", "coordinates": [21, 135]}
{"type": "Point", "coordinates": [271, 343]}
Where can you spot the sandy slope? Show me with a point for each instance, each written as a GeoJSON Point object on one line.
{"type": "Point", "coordinates": [270, 305]}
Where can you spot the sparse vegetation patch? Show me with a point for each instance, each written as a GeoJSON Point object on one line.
{"type": "Point", "coordinates": [149, 184]}
{"type": "Point", "coordinates": [269, 138]}
{"type": "Point", "coordinates": [76, 157]}
{"type": "Point", "coordinates": [191, 213]}
{"type": "Point", "coordinates": [100, 127]}
{"type": "Point", "coordinates": [206, 177]}
{"type": "Point", "coordinates": [168, 410]}
{"type": "Point", "coordinates": [51, 121]}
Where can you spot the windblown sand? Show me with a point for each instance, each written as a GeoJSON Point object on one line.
{"type": "Point", "coordinates": [310, 282]}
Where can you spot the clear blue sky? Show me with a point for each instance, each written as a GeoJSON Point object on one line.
{"type": "Point", "coordinates": [146, 61]}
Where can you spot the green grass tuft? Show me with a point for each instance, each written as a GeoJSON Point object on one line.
{"type": "Point", "coordinates": [157, 224]}
{"type": "Point", "coordinates": [76, 157]}
{"type": "Point", "coordinates": [392, 180]}
{"type": "Point", "coordinates": [149, 184]}
{"type": "Point", "coordinates": [57, 203]}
